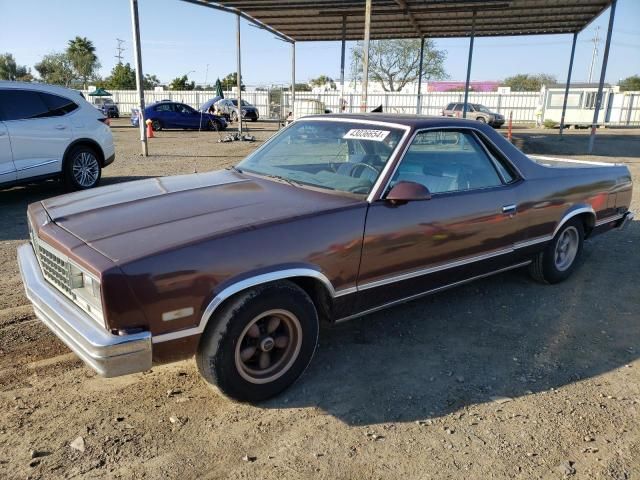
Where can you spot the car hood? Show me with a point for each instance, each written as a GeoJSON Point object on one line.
{"type": "Point", "coordinates": [131, 220]}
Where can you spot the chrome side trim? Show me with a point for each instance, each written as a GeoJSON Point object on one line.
{"type": "Point", "coordinates": [41, 164]}
{"type": "Point", "coordinates": [628, 217]}
{"type": "Point", "coordinates": [573, 160]}
{"type": "Point", "coordinates": [354, 120]}
{"type": "Point", "coordinates": [436, 268]}
{"type": "Point", "coordinates": [345, 291]}
{"type": "Point", "coordinates": [533, 241]}
{"type": "Point", "coordinates": [610, 219]}
{"type": "Point", "coordinates": [243, 285]}
{"type": "Point", "coordinates": [568, 216]}
{"type": "Point", "coordinates": [429, 292]}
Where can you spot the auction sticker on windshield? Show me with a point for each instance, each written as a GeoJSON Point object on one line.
{"type": "Point", "coordinates": [366, 134]}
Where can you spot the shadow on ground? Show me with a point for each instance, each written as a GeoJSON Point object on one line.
{"type": "Point", "coordinates": [608, 143]}
{"type": "Point", "coordinates": [14, 202]}
{"type": "Point", "coordinates": [506, 336]}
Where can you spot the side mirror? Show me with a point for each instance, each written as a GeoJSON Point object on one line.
{"type": "Point", "coordinates": [403, 192]}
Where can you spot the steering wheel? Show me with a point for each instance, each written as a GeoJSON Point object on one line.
{"type": "Point", "coordinates": [362, 164]}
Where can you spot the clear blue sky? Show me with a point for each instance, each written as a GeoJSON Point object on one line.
{"type": "Point", "coordinates": [179, 37]}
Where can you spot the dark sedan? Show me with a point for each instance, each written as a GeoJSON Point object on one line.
{"type": "Point", "coordinates": [334, 217]}
{"type": "Point", "coordinates": [168, 114]}
{"type": "Point", "coordinates": [230, 107]}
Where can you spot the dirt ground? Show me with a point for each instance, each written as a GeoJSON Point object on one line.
{"type": "Point", "coordinates": [502, 378]}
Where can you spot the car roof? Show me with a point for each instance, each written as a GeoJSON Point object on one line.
{"type": "Point", "coordinates": [408, 120]}
{"type": "Point", "coordinates": [41, 87]}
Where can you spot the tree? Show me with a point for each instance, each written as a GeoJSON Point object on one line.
{"type": "Point", "coordinates": [630, 84]}
{"type": "Point", "coordinates": [84, 61]}
{"type": "Point", "coordinates": [56, 68]}
{"type": "Point", "coordinates": [321, 81]}
{"type": "Point", "coordinates": [395, 63]}
{"type": "Point", "coordinates": [231, 81]}
{"type": "Point", "coordinates": [529, 82]}
{"type": "Point", "coordinates": [182, 83]}
{"type": "Point", "coordinates": [122, 77]}
{"type": "Point", "coordinates": [150, 81]}
{"type": "Point", "coordinates": [10, 70]}
{"type": "Point", "coordinates": [303, 87]}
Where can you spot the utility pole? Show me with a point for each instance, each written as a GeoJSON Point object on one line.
{"type": "Point", "coordinates": [119, 50]}
{"type": "Point", "coordinates": [594, 57]}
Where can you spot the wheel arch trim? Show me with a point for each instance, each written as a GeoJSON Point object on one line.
{"type": "Point", "coordinates": [244, 284]}
{"type": "Point", "coordinates": [88, 141]}
{"type": "Point", "coordinates": [573, 212]}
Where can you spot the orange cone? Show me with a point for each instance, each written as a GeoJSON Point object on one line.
{"type": "Point", "coordinates": [149, 129]}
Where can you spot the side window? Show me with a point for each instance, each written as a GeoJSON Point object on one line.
{"type": "Point", "coordinates": [57, 105]}
{"type": "Point", "coordinates": [22, 105]}
{"type": "Point", "coordinates": [447, 161]}
{"type": "Point", "coordinates": [457, 107]}
{"type": "Point", "coordinates": [164, 107]}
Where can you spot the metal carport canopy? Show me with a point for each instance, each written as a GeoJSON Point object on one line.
{"type": "Point", "coordinates": [322, 20]}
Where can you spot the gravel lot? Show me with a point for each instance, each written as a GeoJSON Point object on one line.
{"type": "Point", "coordinates": [502, 378]}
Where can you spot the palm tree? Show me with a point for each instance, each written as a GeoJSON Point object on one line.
{"type": "Point", "coordinates": [81, 52]}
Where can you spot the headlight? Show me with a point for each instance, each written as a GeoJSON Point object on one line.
{"type": "Point", "coordinates": [244, 111]}
{"type": "Point", "coordinates": [85, 290]}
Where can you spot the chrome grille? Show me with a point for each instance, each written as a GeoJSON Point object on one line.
{"type": "Point", "coordinates": [55, 269]}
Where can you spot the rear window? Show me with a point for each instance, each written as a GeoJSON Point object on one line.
{"type": "Point", "coordinates": [450, 106]}
{"type": "Point", "coordinates": [58, 105]}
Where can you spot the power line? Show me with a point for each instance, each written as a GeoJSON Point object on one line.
{"type": "Point", "coordinates": [119, 50]}
{"type": "Point", "coordinates": [594, 57]}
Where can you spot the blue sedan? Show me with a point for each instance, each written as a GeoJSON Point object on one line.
{"type": "Point", "coordinates": [178, 115]}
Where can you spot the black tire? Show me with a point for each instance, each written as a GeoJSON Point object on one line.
{"type": "Point", "coordinates": [234, 117]}
{"type": "Point", "coordinates": [81, 159]}
{"type": "Point", "coordinates": [219, 356]}
{"type": "Point", "coordinates": [544, 267]}
{"type": "Point", "coordinates": [254, 119]}
{"type": "Point", "coordinates": [156, 126]}
{"type": "Point", "coordinates": [481, 120]}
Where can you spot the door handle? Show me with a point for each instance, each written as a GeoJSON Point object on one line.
{"type": "Point", "coordinates": [61, 127]}
{"type": "Point", "coordinates": [509, 209]}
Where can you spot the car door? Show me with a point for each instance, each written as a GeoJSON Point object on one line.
{"type": "Point", "coordinates": [39, 138]}
{"type": "Point", "coordinates": [183, 116]}
{"type": "Point", "coordinates": [7, 168]}
{"type": "Point", "coordinates": [467, 228]}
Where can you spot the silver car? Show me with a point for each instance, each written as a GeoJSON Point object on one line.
{"type": "Point", "coordinates": [474, 111]}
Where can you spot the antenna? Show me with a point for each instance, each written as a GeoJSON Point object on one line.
{"type": "Point", "coordinates": [119, 50]}
{"type": "Point", "coordinates": [594, 57]}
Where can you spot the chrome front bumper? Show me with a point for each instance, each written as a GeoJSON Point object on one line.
{"type": "Point", "coordinates": [109, 355]}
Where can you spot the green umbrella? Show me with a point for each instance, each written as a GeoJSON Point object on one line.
{"type": "Point", "coordinates": [219, 89]}
{"type": "Point", "coordinates": [100, 92]}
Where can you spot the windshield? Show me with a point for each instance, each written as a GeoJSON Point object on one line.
{"type": "Point", "coordinates": [481, 108]}
{"type": "Point", "coordinates": [244, 103]}
{"type": "Point", "coordinates": [341, 156]}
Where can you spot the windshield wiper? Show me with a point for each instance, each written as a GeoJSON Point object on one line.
{"type": "Point", "coordinates": [283, 179]}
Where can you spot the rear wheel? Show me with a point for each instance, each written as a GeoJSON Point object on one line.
{"type": "Point", "coordinates": [260, 342]}
{"type": "Point", "coordinates": [558, 261]}
{"type": "Point", "coordinates": [234, 116]}
{"type": "Point", "coordinates": [156, 125]}
{"type": "Point", "coordinates": [81, 168]}
{"type": "Point", "coordinates": [481, 120]}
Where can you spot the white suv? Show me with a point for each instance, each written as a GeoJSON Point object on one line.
{"type": "Point", "coordinates": [48, 131]}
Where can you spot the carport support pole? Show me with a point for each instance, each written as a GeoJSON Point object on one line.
{"type": "Point", "coordinates": [135, 24]}
{"type": "Point", "coordinates": [365, 57]}
{"type": "Point", "coordinates": [419, 101]}
{"type": "Point", "coordinates": [239, 77]}
{"type": "Point", "coordinates": [293, 80]}
{"type": "Point", "coordinates": [603, 73]}
{"type": "Point", "coordinates": [342, 55]}
{"type": "Point", "coordinates": [466, 84]}
{"type": "Point", "coordinates": [566, 88]}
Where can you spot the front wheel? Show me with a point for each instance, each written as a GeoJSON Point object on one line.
{"type": "Point", "coordinates": [234, 117]}
{"type": "Point", "coordinates": [481, 120]}
{"type": "Point", "coordinates": [559, 259]}
{"type": "Point", "coordinates": [81, 168]}
{"type": "Point", "coordinates": [260, 342]}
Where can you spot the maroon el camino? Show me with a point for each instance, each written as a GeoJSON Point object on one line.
{"type": "Point", "coordinates": [334, 217]}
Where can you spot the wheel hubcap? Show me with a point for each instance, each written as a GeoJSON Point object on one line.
{"type": "Point", "coordinates": [566, 248]}
{"type": "Point", "coordinates": [268, 346]}
{"type": "Point", "coordinates": [86, 169]}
